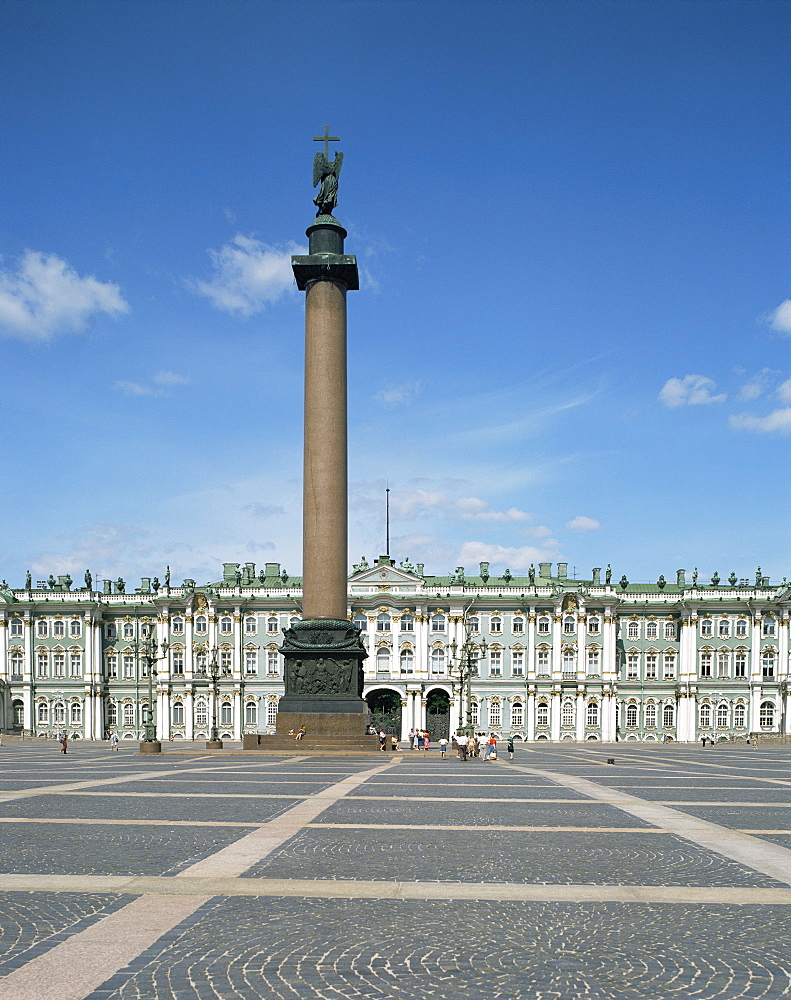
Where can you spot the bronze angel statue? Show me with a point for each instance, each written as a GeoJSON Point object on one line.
{"type": "Point", "coordinates": [326, 174]}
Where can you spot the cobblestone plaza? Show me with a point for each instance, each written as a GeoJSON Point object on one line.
{"type": "Point", "coordinates": [194, 877]}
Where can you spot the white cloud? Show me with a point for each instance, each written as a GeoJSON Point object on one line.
{"type": "Point", "coordinates": [517, 559]}
{"type": "Point", "coordinates": [582, 523]}
{"type": "Point", "coordinates": [784, 391]}
{"type": "Point", "coordinates": [420, 502]}
{"type": "Point", "coordinates": [473, 509]}
{"type": "Point", "coordinates": [248, 275]}
{"type": "Point", "coordinates": [397, 395]}
{"type": "Point", "coordinates": [691, 390]}
{"type": "Point", "coordinates": [778, 421]}
{"type": "Point", "coordinates": [161, 380]}
{"type": "Point", "coordinates": [758, 384]}
{"type": "Point", "coordinates": [780, 318]}
{"type": "Point", "coordinates": [45, 297]}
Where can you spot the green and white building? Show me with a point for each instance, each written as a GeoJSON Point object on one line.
{"type": "Point", "coordinates": [554, 658]}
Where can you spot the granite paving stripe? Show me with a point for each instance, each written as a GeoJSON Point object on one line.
{"type": "Point", "coordinates": [489, 829]}
{"type": "Point", "coordinates": [32, 923]}
{"type": "Point", "coordinates": [445, 812]}
{"type": "Point", "coordinates": [554, 858]}
{"type": "Point", "coordinates": [164, 807]}
{"type": "Point", "coordinates": [255, 846]}
{"type": "Point", "coordinates": [307, 888]}
{"type": "Point", "coordinates": [96, 850]}
{"type": "Point", "coordinates": [225, 790]}
{"type": "Point", "coordinates": [127, 822]}
{"type": "Point", "coordinates": [769, 859]}
{"type": "Point", "coordinates": [738, 817]}
{"type": "Point", "coordinates": [78, 965]}
{"type": "Point", "coordinates": [548, 951]}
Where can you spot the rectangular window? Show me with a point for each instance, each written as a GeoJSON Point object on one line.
{"type": "Point", "coordinates": [42, 664]}
{"type": "Point", "coordinates": [740, 665]}
{"type": "Point", "coordinates": [178, 663]}
{"type": "Point", "coordinates": [271, 713]}
{"type": "Point", "coordinates": [75, 664]}
{"type": "Point", "coordinates": [271, 662]}
{"type": "Point", "coordinates": [542, 661]}
{"type": "Point", "coordinates": [495, 715]}
{"type": "Point", "coordinates": [129, 666]}
{"type": "Point", "coordinates": [517, 665]}
{"type": "Point", "coordinates": [250, 662]}
{"type": "Point", "coordinates": [650, 667]}
{"type": "Point", "coordinates": [768, 664]}
{"type": "Point", "coordinates": [225, 662]}
{"type": "Point", "coordinates": [593, 661]}
{"type": "Point", "coordinates": [496, 665]}
{"type": "Point", "coordinates": [516, 715]}
{"type": "Point", "coordinates": [58, 665]}
{"type": "Point", "coordinates": [669, 666]}
{"type": "Point", "coordinates": [112, 667]}
{"type": "Point", "coordinates": [722, 664]}
{"type": "Point", "coordinates": [631, 666]}
{"type": "Point", "coordinates": [705, 664]}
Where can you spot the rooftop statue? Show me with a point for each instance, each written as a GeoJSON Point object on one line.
{"type": "Point", "coordinates": [326, 174]}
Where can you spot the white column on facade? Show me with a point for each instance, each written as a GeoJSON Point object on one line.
{"type": "Point", "coordinates": [5, 674]}
{"type": "Point", "coordinates": [755, 674]}
{"type": "Point", "coordinates": [687, 678]}
{"type": "Point", "coordinates": [580, 718]}
{"type": "Point", "coordinates": [421, 641]}
{"type": "Point", "coordinates": [405, 724]}
{"type": "Point", "coordinates": [238, 710]}
{"type": "Point", "coordinates": [557, 665]}
{"type": "Point", "coordinates": [189, 710]}
{"type": "Point", "coordinates": [530, 714]}
{"type": "Point", "coordinates": [554, 719]}
{"type": "Point", "coordinates": [782, 668]}
{"type": "Point", "coordinates": [163, 714]}
{"type": "Point", "coordinates": [421, 704]}
{"type": "Point", "coordinates": [28, 682]}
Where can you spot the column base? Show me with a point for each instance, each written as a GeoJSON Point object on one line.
{"type": "Point", "coordinates": [151, 746]}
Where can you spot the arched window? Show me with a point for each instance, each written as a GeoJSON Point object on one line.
{"type": "Point", "coordinates": [58, 629]}
{"type": "Point", "coordinates": [496, 625]}
{"type": "Point", "coordinates": [178, 713]}
{"type": "Point", "coordinates": [437, 623]}
{"type": "Point", "coordinates": [43, 713]}
{"type": "Point", "coordinates": [19, 714]}
{"type": "Point", "coordinates": [383, 660]}
{"type": "Point", "coordinates": [201, 713]}
{"type": "Point", "coordinates": [741, 628]}
{"type": "Point", "coordinates": [226, 625]}
{"type": "Point", "coordinates": [518, 626]}
{"type": "Point", "coordinates": [651, 630]}
{"type": "Point", "coordinates": [542, 714]}
{"type": "Point", "coordinates": [722, 716]}
{"type": "Point", "coordinates": [226, 714]}
{"type": "Point", "coordinates": [650, 715]}
{"type": "Point", "coordinates": [768, 626]}
{"type": "Point", "coordinates": [407, 623]}
{"type": "Point", "coordinates": [543, 625]}
{"type": "Point", "coordinates": [517, 714]}
{"type": "Point", "coordinates": [438, 661]}
{"type": "Point", "coordinates": [41, 628]}
{"type": "Point", "coordinates": [633, 630]}
{"type": "Point", "coordinates": [16, 626]}
{"type": "Point", "coordinates": [592, 718]}
{"type": "Point", "coordinates": [569, 625]}
{"type": "Point", "coordinates": [76, 713]}
{"type": "Point", "coordinates": [250, 625]}
{"type": "Point", "coordinates": [766, 718]}
{"type": "Point", "coordinates": [129, 630]}
{"type": "Point", "coordinates": [272, 625]}
{"type": "Point", "coordinates": [360, 622]}
{"type": "Point", "coordinates": [706, 627]}
{"type": "Point", "coordinates": [250, 713]}
{"type": "Point", "coordinates": [177, 625]}
{"type": "Point", "coordinates": [594, 626]}
{"type": "Point", "coordinates": [383, 623]}
{"type": "Point", "coordinates": [567, 713]}
{"type": "Point", "coordinates": [705, 716]}
{"type": "Point", "coordinates": [201, 625]}
{"type": "Point", "coordinates": [495, 713]}
{"type": "Point", "coordinates": [129, 714]}
{"type": "Point", "coordinates": [271, 712]}
{"type": "Point", "coordinates": [75, 628]}
{"type": "Point", "coordinates": [668, 716]}
{"type": "Point", "coordinates": [670, 631]}
{"type": "Point", "coordinates": [59, 712]}
{"type": "Point", "coordinates": [724, 628]}
{"type": "Point", "coordinates": [407, 661]}
{"type": "Point", "coordinates": [474, 712]}
{"type": "Point", "coordinates": [740, 716]}
{"type": "Point", "coordinates": [112, 713]}
{"type": "Point", "coordinates": [631, 716]}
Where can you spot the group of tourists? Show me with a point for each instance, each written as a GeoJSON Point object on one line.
{"type": "Point", "coordinates": [418, 739]}
{"type": "Point", "coordinates": [481, 746]}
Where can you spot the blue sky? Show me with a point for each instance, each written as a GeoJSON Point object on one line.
{"type": "Point", "coordinates": [573, 335]}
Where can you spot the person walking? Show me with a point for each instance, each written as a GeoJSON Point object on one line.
{"type": "Point", "coordinates": [443, 746]}
{"type": "Point", "coordinates": [415, 740]}
{"type": "Point", "coordinates": [426, 740]}
{"type": "Point", "coordinates": [114, 742]}
{"type": "Point", "coordinates": [510, 748]}
{"type": "Point", "coordinates": [491, 747]}
{"type": "Point", "coordinates": [64, 742]}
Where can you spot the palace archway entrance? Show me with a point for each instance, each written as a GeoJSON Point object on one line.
{"type": "Point", "coordinates": [384, 710]}
{"type": "Point", "coordinates": [438, 715]}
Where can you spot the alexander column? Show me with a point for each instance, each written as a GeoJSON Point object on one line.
{"type": "Point", "coordinates": [324, 653]}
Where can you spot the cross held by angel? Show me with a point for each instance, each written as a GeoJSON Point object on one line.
{"type": "Point", "coordinates": [326, 174]}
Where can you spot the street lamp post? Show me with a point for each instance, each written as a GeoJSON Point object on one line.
{"type": "Point", "coordinates": [465, 660]}
{"type": "Point", "coordinates": [215, 743]}
{"type": "Point", "coordinates": [149, 649]}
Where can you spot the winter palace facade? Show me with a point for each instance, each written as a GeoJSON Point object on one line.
{"type": "Point", "coordinates": [548, 657]}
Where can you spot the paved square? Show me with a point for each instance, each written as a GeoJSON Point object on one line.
{"type": "Point", "coordinates": [198, 877]}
